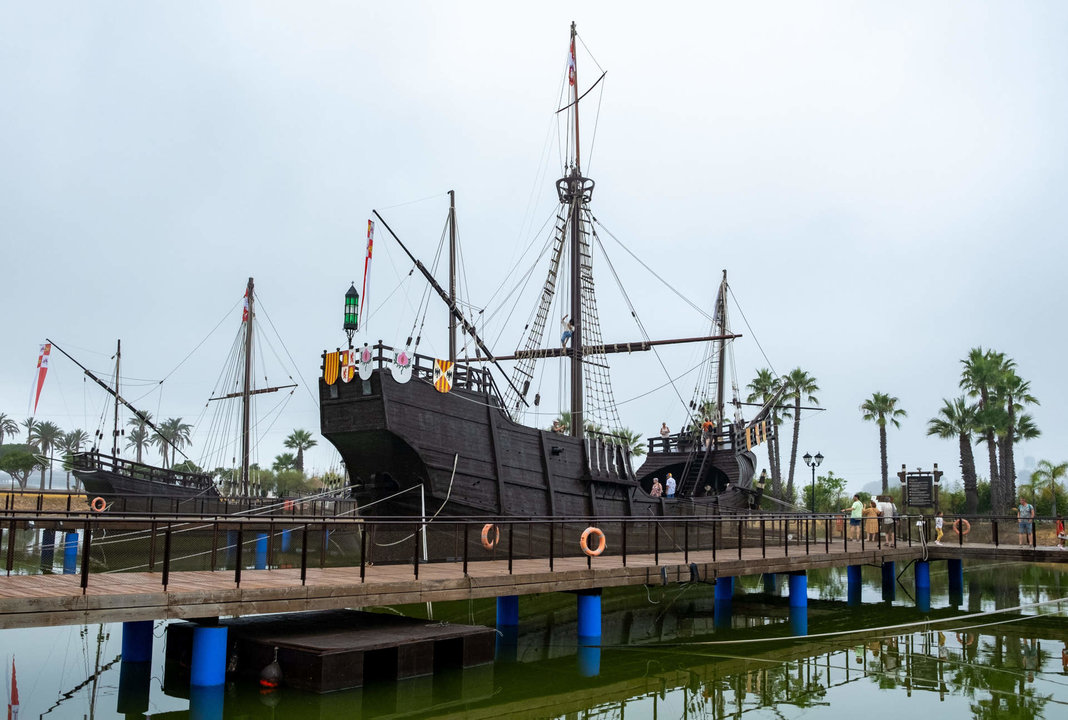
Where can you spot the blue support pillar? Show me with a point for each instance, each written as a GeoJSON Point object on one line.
{"type": "Point", "coordinates": [771, 583]}
{"type": "Point", "coordinates": [589, 614]}
{"type": "Point", "coordinates": [287, 540]}
{"type": "Point", "coordinates": [854, 584]}
{"type": "Point", "coordinates": [956, 582]}
{"type": "Point", "coordinates": [722, 605]}
{"type": "Point", "coordinates": [889, 581]}
{"type": "Point", "coordinates": [70, 553]}
{"type": "Point", "coordinates": [208, 668]}
{"type": "Point", "coordinates": [923, 585]}
{"type": "Point", "coordinates": [508, 611]}
{"type": "Point", "coordinates": [799, 602]}
{"type": "Point", "coordinates": [589, 633]}
{"type": "Point", "coordinates": [261, 551]}
{"type": "Point", "coordinates": [48, 550]}
{"type": "Point", "coordinates": [231, 546]}
{"type": "Point", "coordinates": [137, 641]}
{"type": "Point", "coordinates": [798, 589]}
{"type": "Point", "coordinates": [506, 646]}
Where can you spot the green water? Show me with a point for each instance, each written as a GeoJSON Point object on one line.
{"type": "Point", "coordinates": [998, 651]}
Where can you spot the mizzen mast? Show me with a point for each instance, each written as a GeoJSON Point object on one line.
{"type": "Point", "coordinates": [452, 275]}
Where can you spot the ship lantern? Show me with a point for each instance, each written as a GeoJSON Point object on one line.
{"type": "Point", "coordinates": [352, 306]}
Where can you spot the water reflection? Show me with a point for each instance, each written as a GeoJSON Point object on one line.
{"type": "Point", "coordinates": [664, 654]}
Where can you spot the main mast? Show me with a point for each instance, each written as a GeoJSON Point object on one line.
{"type": "Point", "coordinates": [246, 390]}
{"type": "Point", "coordinates": [722, 303]}
{"type": "Point", "coordinates": [576, 195]}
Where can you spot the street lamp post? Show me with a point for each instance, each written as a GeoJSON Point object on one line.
{"type": "Point", "coordinates": [813, 462]}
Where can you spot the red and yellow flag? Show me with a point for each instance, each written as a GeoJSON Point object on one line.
{"type": "Point", "coordinates": [42, 370]}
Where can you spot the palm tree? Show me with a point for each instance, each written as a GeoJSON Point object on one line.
{"type": "Point", "coordinates": [982, 371]}
{"type": "Point", "coordinates": [8, 426]}
{"type": "Point", "coordinates": [300, 440]}
{"type": "Point", "coordinates": [139, 438]}
{"type": "Point", "coordinates": [1045, 477]}
{"type": "Point", "coordinates": [799, 384]}
{"type": "Point", "coordinates": [173, 433]}
{"type": "Point", "coordinates": [1013, 394]}
{"type": "Point", "coordinates": [31, 431]}
{"type": "Point", "coordinates": [956, 419]}
{"type": "Point", "coordinates": [881, 409]}
{"type": "Point", "coordinates": [48, 436]}
{"type": "Point", "coordinates": [285, 461]}
{"type": "Point", "coordinates": [632, 441]}
{"type": "Point", "coordinates": [71, 443]}
{"type": "Point", "coordinates": [763, 389]}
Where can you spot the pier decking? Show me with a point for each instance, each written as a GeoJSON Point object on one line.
{"type": "Point", "coordinates": [41, 600]}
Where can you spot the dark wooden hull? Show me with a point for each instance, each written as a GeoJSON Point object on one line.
{"type": "Point", "coordinates": [111, 485]}
{"type": "Point", "coordinates": [401, 442]}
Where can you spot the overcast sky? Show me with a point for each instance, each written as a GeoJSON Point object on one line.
{"type": "Point", "coordinates": [884, 183]}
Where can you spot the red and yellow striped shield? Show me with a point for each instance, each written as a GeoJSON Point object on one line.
{"type": "Point", "coordinates": [442, 375]}
{"type": "Point", "coordinates": [331, 365]}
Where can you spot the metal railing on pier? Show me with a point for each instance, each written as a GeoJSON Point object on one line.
{"type": "Point", "coordinates": [93, 544]}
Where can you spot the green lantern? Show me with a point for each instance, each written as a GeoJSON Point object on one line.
{"type": "Point", "coordinates": [352, 309]}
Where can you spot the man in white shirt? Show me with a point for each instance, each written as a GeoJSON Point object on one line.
{"type": "Point", "coordinates": [669, 485]}
{"type": "Point", "coordinates": [885, 503]}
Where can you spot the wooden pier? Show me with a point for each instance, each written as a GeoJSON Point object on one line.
{"type": "Point", "coordinates": [42, 600]}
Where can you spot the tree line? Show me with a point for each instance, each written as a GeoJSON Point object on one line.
{"type": "Point", "coordinates": [991, 412]}
{"type": "Point", "coordinates": [44, 439]}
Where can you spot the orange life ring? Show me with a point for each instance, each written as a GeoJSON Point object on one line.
{"type": "Point", "coordinates": [486, 541]}
{"type": "Point", "coordinates": [287, 505]}
{"type": "Point", "coordinates": [600, 541]}
{"type": "Point", "coordinates": [98, 504]}
{"type": "Point", "coordinates": [962, 523]}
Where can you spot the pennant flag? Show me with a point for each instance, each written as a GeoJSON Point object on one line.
{"type": "Point", "coordinates": [244, 308]}
{"type": "Point", "coordinates": [571, 64]}
{"type": "Point", "coordinates": [331, 364]}
{"type": "Point", "coordinates": [42, 370]}
{"type": "Point", "coordinates": [13, 695]}
{"type": "Point", "coordinates": [442, 376]}
{"type": "Point", "coordinates": [367, 270]}
{"type": "Point", "coordinates": [348, 365]}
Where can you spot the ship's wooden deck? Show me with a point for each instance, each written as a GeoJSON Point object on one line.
{"type": "Point", "coordinates": [40, 600]}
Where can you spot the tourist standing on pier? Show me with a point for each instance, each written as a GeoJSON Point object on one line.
{"type": "Point", "coordinates": [871, 523]}
{"type": "Point", "coordinates": [856, 511]}
{"type": "Point", "coordinates": [1026, 515]}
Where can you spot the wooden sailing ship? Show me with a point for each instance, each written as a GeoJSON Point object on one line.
{"type": "Point", "coordinates": [422, 436]}
{"type": "Point", "coordinates": [111, 477]}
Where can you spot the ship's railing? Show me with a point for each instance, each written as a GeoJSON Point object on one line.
{"type": "Point", "coordinates": [63, 505]}
{"type": "Point", "coordinates": [90, 461]}
{"type": "Point", "coordinates": [465, 376]}
{"type": "Point", "coordinates": [89, 544]}
{"type": "Point", "coordinates": [687, 441]}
